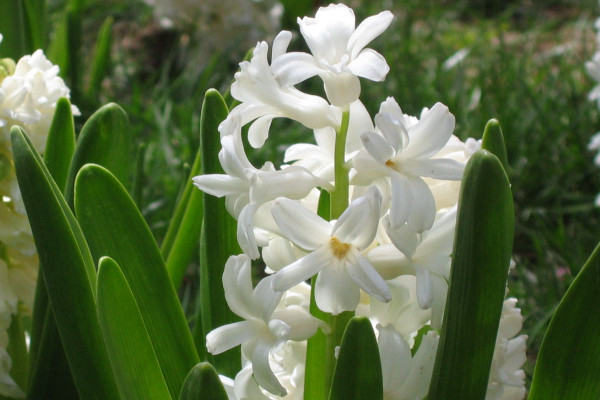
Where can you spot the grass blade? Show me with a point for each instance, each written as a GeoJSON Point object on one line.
{"type": "Point", "coordinates": [130, 351]}
{"type": "Point", "coordinates": [101, 62]}
{"type": "Point", "coordinates": [203, 383]}
{"type": "Point", "coordinates": [481, 257]}
{"type": "Point", "coordinates": [568, 364]}
{"type": "Point", "coordinates": [70, 280]}
{"type": "Point", "coordinates": [358, 369]}
{"type": "Point", "coordinates": [115, 228]}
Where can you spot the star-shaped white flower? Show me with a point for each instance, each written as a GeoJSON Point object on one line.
{"type": "Point", "coordinates": [265, 327]}
{"type": "Point", "coordinates": [247, 188]}
{"type": "Point", "coordinates": [335, 252]}
{"type": "Point", "coordinates": [403, 149]}
{"type": "Point", "coordinates": [338, 52]}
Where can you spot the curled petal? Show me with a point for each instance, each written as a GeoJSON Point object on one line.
{"type": "Point", "coordinates": [395, 358]}
{"type": "Point", "coordinates": [229, 336]}
{"type": "Point", "coordinates": [404, 238]}
{"type": "Point", "coordinates": [219, 185]}
{"type": "Point", "coordinates": [368, 30]}
{"type": "Point", "coordinates": [259, 130]}
{"type": "Point", "coordinates": [431, 133]}
{"type": "Point", "coordinates": [298, 224]}
{"type": "Point", "coordinates": [262, 369]}
{"type": "Point", "coordinates": [293, 68]}
{"type": "Point", "coordinates": [402, 200]}
{"type": "Point", "coordinates": [301, 270]}
{"type": "Point", "coordinates": [358, 224]}
{"type": "Point", "coordinates": [245, 231]}
{"type": "Point", "coordinates": [368, 279]}
{"type": "Point", "coordinates": [237, 284]}
{"type": "Point", "coordinates": [424, 288]}
{"type": "Point", "coordinates": [377, 147]}
{"type": "Point", "coordinates": [370, 65]}
{"type": "Point", "coordinates": [437, 168]}
{"type": "Point", "coordinates": [280, 45]}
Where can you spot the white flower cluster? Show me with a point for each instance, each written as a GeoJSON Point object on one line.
{"type": "Point", "coordinates": [29, 90]}
{"type": "Point", "coordinates": [593, 69]}
{"type": "Point", "coordinates": [385, 256]}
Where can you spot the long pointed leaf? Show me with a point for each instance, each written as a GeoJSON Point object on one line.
{"type": "Point", "coordinates": [114, 227]}
{"type": "Point", "coordinates": [218, 240]}
{"type": "Point", "coordinates": [493, 141]}
{"type": "Point", "coordinates": [129, 348]}
{"type": "Point", "coordinates": [68, 278]}
{"type": "Point", "coordinates": [203, 383]}
{"type": "Point", "coordinates": [568, 364]}
{"type": "Point", "coordinates": [106, 140]}
{"type": "Point", "coordinates": [101, 62]}
{"type": "Point", "coordinates": [481, 257]}
{"type": "Point", "coordinates": [358, 370]}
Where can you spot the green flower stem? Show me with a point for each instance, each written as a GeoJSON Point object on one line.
{"type": "Point", "coordinates": [339, 195]}
{"type": "Point", "coordinates": [320, 356]}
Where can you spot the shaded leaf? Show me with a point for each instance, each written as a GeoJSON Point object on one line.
{"type": "Point", "coordinates": [203, 383]}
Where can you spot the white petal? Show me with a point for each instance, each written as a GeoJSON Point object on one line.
{"type": "Point", "coordinates": [438, 168]}
{"type": "Point", "coordinates": [402, 200]}
{"type": "Point", "coordinates": [377, 146]}
{"type": "Point", "coordinates": [422, 214]}
{"type": "Point", "coordinates": [265, 299]}
{"type": "Point", "coordinates": [440, 289]}
{"type": "Point", "coordinates": [245, 231]}
{"type": "Point", "coordinates": [262, 369]}
{"type": "Point", "coordinates": [280, 45]}
{"type": "Point", "coordinates": [393, 130]}
{"type": "Point", "coordinates": [229, 336]}
{"type": "Point", "coordinates": [416, 385]}
{"type": "Point", "coordinates": [259, 131]}
{"type": "Point", "coordinates": [358, 223]}
{"type": "Point", "coordinates": [232, 156]}
{"type": "Point", "coordinates": [293, 183]}
{"type": "Point", "coordinates": [237, 284]}
{"type": "Point", "coordinates": [389, 262]}
{"type": "Point", "coordinates": [328, 33]}
{"type": "Point", "coordinates": [424, 290]}
{"type": "Point", "coordinates": [395, 358]}
{"type": "Point", "coordinates": [370, 65]}
{"type": "Point", "coordinates": [301, 270]}
{"type": "Point", "coordinates": [219, 185]}
{"type": "Point", "coordinates": [404, 238]}
{"type": "Point", "coordinates": [335, 291]}
{"type": "Point", "coordinates": [431, 133]}
{"type": "Point", "coordinates": [342, 88]}
{"type": "Point", "coordinates": [368, 30]}
{"type": "Point", "coordinates": [367, 278]}
{"type": "Point", "coordinates": [300, 225]}
{"type": "Point", "coordinates": [293, 68]}
{"type": "Point", "coordinates": [302, 325]}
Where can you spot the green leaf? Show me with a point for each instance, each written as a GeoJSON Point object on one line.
{"type": "Point", "coordinates": [185, 227]}
{"type": "Point", "coordinates": [35, 11]}
{"type": "Point", "coordinates": [65, 50]}
{"type": "Point", "coordinates": [49, 374]}
{"type": "Point", "coordinates": [480, 261]}
{"type": "Point", "coordinates": [106, 140]}
{"type": "Point", "coordinates": [101, 61]}
{"type": "Point", "coordinates": [130, 351]}
{"type": "Point", "coordinates": [61, 143]}
{"type": "Point", "coordinates": [568, 364]}
{"type": "Point", "coordinates": [218, 241]}
{"type": "Point", "coordinates": [114, 227]}
{"type": "Point", "coordinates": [13, 25]}
{"type": "Point", "coordinates": [70, 278]}
{"type": "Point", "coordinates": [358, 369]}
{"type": "Point", "coordinates": [203, 383]}
{"type": "Point", "coordinates": [493, 141]}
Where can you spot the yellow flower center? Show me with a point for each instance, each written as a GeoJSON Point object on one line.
{"type": "Point", "coordinates": [340, 249]}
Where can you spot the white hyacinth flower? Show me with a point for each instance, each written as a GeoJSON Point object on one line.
{"type": "Point", "coordinates": [335, 252]}
{"type": "Point", "coordinates": [247, 188]}
{"type": "Point", "coordinates": [404, 150]}
{"type": "Point", "coordinates": [425, 255]}
{"type": "Point", "coordinates": [405, 377]}
{"type": "Point", "coordinates": [338, 52]}
{"type": "Point", "coordinates": [265, 326]}
{"type": "Point", "coordinates": [263, 98]}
